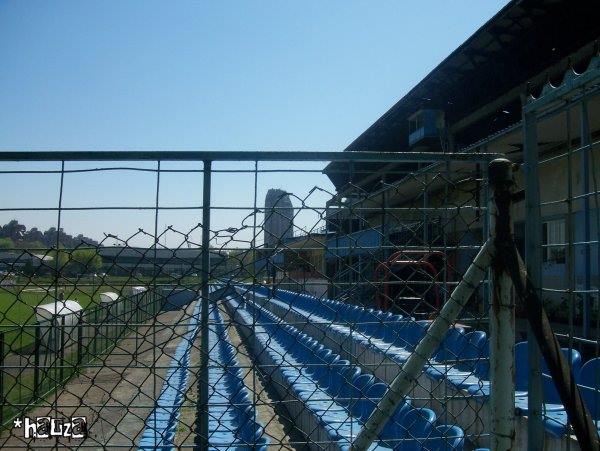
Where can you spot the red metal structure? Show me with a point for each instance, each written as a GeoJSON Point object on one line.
{"type": "Point", "coordinates": [409, 271]}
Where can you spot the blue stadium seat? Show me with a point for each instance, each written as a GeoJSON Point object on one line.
{"type": "Point", "coordinates": [322, 374]}
{"type": "Point", "coordinates": [473, 363]}
{"type": "Point", "coordinates": [452, 346]}
{"type": "Point", "coordinates": [407, 333]}
{"type": "Point", "coordinates": [552, 400]}
{"type": "Point", "coordinates": [352, 386]}
{"type": "Point", "coordinates": [338, 378]}
{"type": "Point", "coordinates": [395, 428]}
{"type": "Point", "coordinates": [589, 374]}
{"type": "Point", "coordinates": [231, 414]}
{"type": "Point", "coordinates": [521, 368]}
{"type": "Point", "coordinates": [367, 400]}
{"type": "Point", "coordinates": [589, 385]}
{"type": "Point", "coordinates": [446, 438]}
{"type": "Point", "coordinates": [415, 430]}
{"type": "Point", "coordinates": [481, 389]}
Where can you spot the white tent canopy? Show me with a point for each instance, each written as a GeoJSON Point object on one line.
{"type": "Point", "coordinates": [59, 322]}
{"type": "Point", "coordinates": [108, 296]}
{"type": "Point", "coordinates": [58, 308]}
{"type": "Point", "coordinates": [137, 290]}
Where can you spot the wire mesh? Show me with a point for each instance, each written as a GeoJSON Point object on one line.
{"type": "Point", "coordinates": [292, 311]}
{"type": "Point", "coordinates": [567, 245]}
{"type": "Point", "coordinates": [274, 313]}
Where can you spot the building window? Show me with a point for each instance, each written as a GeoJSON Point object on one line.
{"type": "Point", "coordinates": [415, 123]}
{"type": "Point", "coordinates": [554, 239]}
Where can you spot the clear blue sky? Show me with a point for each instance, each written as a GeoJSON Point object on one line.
{"type": "Point", "coordinates": [199, 75]}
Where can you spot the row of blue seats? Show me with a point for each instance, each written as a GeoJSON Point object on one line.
{"type": "Point", "coordinates": [467, 353]}
{"type": "Point", "coordinates": [385, 327]}
{"type": "Point", "coordinates": [393, 335]}
{"type": "Point", "coordinates": [161, 424]}
{"type": "Point", "coordinates": [377, 326]}
{"type": "Point", "coordinates": [231, 422]}
{"type": "Point", "coordinates": [340, 395]}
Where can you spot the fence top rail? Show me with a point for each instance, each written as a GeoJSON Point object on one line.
{"type": "Point", "coordinates": [206, 156]}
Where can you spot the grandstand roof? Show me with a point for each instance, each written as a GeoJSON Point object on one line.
{"type": "Point", "coordinates": [527, 41]}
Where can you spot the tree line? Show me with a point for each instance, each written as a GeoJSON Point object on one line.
{"type": "Point", "coordinates": [83, 259]}
{"type": "Point", "coordinates": [16, 235]}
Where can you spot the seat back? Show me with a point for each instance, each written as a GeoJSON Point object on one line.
{"type": "Point", "coordinates": [367, 402]}
{"type": "Point", "coordinates": [454, 342]}
{"type": "Point", "coordinates": [361, 384]}
{"type": "Point", "coordinates": [446, 438]}
{"type": "Point", "coordinates": [417, 331]}
{"type": "Point", "coordinates": [589, 386]}
{"type": "Point", "coordinates": [407, 333]}
{"type": "Point", "coordinates": [522, 369]}
{"type": "Point", "coordinates": [476, 350]}
{"type": "Point", "coordinates": [416, 428]}
{"type": "Point", "coordinates": [589, 375]}
{"type": "Point", "coordinates": [350, 376]}
{"type": "Point", "coordinates": [322, 368]}
{"type": "Point", "coordinates": [394, 428]}
{"type": "Point", "coordinates": [392, 328]}
{"type": "Point", "coordinates": [521, 366]}
{"type": "Point", "coordinates": [550, 392]}
{"type": "Point", "coordinates": [574, 358]}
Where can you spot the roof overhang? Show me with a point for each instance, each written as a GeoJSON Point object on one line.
{"type": "Point", "coordinates": [488, 72]}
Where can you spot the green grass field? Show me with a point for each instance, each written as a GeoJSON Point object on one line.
{"type": "Point", "coordinates": [17, 302]}
{"type": "Point", "coordinates": [17, 310]}
{"type": "Point", "coordinates": [18, 325]}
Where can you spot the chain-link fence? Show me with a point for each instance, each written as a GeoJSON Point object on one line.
{"type": "Point", "coordinates": [560, 233]}
{"type": "Point", "coordinates": [251, 300]}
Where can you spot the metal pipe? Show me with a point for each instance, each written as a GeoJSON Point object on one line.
{"type": "Point", "coordinates": [242, 156]}
{"type": "Point", "coordinates": [202, 417]}
{"type": "Point", "coordinates": [486, 234]}
{"type": "Point", "coordinates": [36, 365]}
{"type": "Point", "coordinates": [254, 283]}
{"type": "Point", "coordinates": [533, 257]}
{"type": "Point", "coordinates": [502, 316]}
{"type": "Point", "coordinates": [425, 215]}
{"type": "Point", "coordinates": [585, 188]}
{"type": "Point", "coordinates": [62, 350]}
{"type": "Point", "coordinates": [384, 225]}
{"type": "Point", "coordinates": [403, 382]}
{"type": "Point", "coordinates": [155, 275]}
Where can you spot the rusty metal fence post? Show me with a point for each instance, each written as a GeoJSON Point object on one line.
{"type": "Point", "coordinates": [502, 313]}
